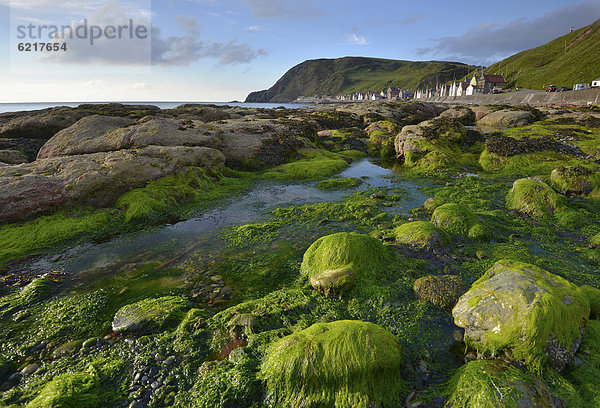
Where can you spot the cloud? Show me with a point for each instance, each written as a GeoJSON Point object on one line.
{"type": "Point", "coordinates": [95, 83]}
{"type": "Point", "coordinates": [491, 42]}
{"type": "Point", "coordinates": [357, 39]}
{"type": "Point", "coordinates": [184, 50]}
{"type": "Point", "coordinates": [155, 49]}
{"type": "Point", "coordinates": [292, 9]}
{"type": "Point", "coordinates": [188, 24]}
{"type": "Point", "coordinates": [141, 85]}
{"type": "Point", "coordinates": [253, 28]}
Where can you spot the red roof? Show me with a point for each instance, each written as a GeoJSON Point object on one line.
{"type": "Point", "coordinates": [495, 79]}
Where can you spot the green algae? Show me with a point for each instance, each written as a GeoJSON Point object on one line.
{"type": "Point", "coordinates": [315, 164]}
{"type": "Point", "coordinates": [574, 180]}
{"type": "Point", "coordinates": [456, 219]}
{"type": "Point", "coordinates": [150, 315]}
{"type": "Point", "coordinates": [77, 390]}
{"type": "Point", "coordinates": [343, 363]}
{"type": "Point", "coordinates": [533, 197]}
{"type": "Point", "coordinates": [421, 234]}
{"type": "Point", "coordinates": [25, 297]}
{"type": "Point", "coordinates": [493, 383]}
{"type": "Point", "coordinates": [593, 296]}
{"type": "Point", "coordinates": [339, 183]}
{"type": "Point", "coordinates": [47, 232]}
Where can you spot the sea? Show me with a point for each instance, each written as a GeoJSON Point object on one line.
{"type": "Point", "coordinates": [17, 107]}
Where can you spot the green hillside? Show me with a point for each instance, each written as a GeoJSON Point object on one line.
{"type": "Point", "coordinates": [565, 61]}
{"type": "Point", "coordinates": [353, 74]}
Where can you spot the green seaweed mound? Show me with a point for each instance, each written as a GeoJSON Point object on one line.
{"type": "Point", "coordinates": [344, 363]}
{"type": "Point", "coordinates": [442, 291]}
{"type": "Point", "coordinates": [533, 197]}
{"type": "Point", "coordinates": [529, 313]}
{"type": "Point", "coordinates": [573, 180]}
{"type": "Point", "coordinates": [150, 315]}
{"type": "Point", "coordinates": [35, 291]}
{"type": "Point", "coordinates": [339, 184]}
{"type": "Point", "coordinates": [421, 234]}
{"type": "Point", "coordinates": [76, 390]}
{"type": "Point", "coordinates": [494, 383]}
{"type": "Point", "coordinates": [456, 219]}
{"type": "Point", "coordinates": [344, 250]}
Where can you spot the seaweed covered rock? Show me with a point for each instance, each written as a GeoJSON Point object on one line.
{"type": "Point", "coordinates": [507, 118]}
{"type": "Point", "coordinates": [442, 291]}
{"type": "Point", "coordinates": [69, 390]}
{"type": "Point", "coordinates": [25, 297]}
{"type": "Point", "coordinates": [432, 145]}
{"type": "Point", "coordinates": [456, 219]}
{"type": "Point", "coordinates": [41, 124]}
{"type": "Point", "coordinates": [421, 234]}
{"type": "Point", "coordinates": [150, 315]}
{"type": "Point", "coordinates": [381, 138]}
{"type": "Point", "coordinates": [533, 197]}
{"type": "Point", "coordinates": [494, 383]}
{"type": "Point", "coordinates": [343, 363]}
{"type": "Point", "coordinates": [336, 261]}
{"type": "Point", "coordinates": [95, 179]}
{"type": "Point", "coordinates": [524, 311]}
{"type": "Point", "coordinates": [573, 180]}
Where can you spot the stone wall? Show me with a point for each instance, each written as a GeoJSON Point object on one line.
{"type": "Point", "coordinates": [581, 98]}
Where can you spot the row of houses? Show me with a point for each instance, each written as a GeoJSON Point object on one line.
{"type": "Point", "coordinates": [479, 84]}
{"type": "Point", "coordinates": [392, 93]}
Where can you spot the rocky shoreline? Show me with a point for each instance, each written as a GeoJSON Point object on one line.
{"type": "Point", "coordinates": [486, 294]}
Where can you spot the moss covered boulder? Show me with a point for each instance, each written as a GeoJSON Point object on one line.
{"type": "Point", "coordinates": [573, 180]}
{"type": "Point", "coordinates": [25, 297]}
{"type": "Point", "coordinates": [494, 383]}
{"type": "Point", "coordinates": [533, 197]}
{"type": "Point", "coordinates": [456, 219]}
{"type": "Point", "coordinates": [150, 315]}
{"type": "Point", "coordinates": [381, 138]}
{"type": "Point", "coordinates": [343, 364]}
{"type": "Point", "coordinates": [334, 262]}
{"type": "Point", "coordinates": [76, 390]}
{"type": "Point", "coordinates": [524, 311]}
{"type": "Point", "coordinates": [442, 291]}
{"type": "Point", "coordinates": [421, 234]}
{"type": "Point", "coordinates": [507, 118]}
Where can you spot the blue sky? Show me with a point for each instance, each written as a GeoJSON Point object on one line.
{"type": "Point", "coordinates": [220, 50]}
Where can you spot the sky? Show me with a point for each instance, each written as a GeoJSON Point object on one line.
{"type": "Point", "coordinates": [220, 50]}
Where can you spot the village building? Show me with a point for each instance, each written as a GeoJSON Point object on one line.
{"type": "Point", "coordinates": [596, 83]}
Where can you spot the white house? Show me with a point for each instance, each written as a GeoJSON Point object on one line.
{"type": "Point", "coordinates": [596, 83]}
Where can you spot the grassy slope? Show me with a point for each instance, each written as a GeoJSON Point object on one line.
{"type": "Point", "coordinates": [352, 74]}
{"type": "Point", "coordinates": [549, 64]}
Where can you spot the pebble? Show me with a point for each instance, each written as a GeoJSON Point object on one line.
{"type": "Point", "coordinates": [156, 384]}
{"type": "Point", "coordinates": [30, 369]}
{"type": "Point", "coordinates": [170, 361]}
{"type": "Point", "coordinates": [15, 378]}
{"type": "Point", "coordinates": [145, 379]}
{"type": "Point", "coordinates": [152, 372]}
{"type": "Point", "coordinates": [137, 404]}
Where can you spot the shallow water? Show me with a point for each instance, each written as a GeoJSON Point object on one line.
{"type": "Point", "coordinates": [92, 261]}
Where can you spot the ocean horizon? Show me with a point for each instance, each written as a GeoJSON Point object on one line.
{"type": "Point", "coordinates": [30, 106]}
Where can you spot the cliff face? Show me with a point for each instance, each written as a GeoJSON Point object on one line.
{"type": "Point", "coordinates": [354, 74]}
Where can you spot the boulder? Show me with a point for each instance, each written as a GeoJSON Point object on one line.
{"type": "Point", "coordinates": [421, 234]}
{"type": "Point", "coordinates": [573, 180]}
{"type": "Point", "coordinates": [105, 133]}
{"type": "Point", "coordinates": [150, 315]}
{"type": "Point", "coordinates": [593, 296]}
{"type": "Point", "coordinates": [399, 112]}
{"type": "Point", "coordinates": [524, 311]}
{"type": "Point", "coordinates": [42, 124]}
{"type": "Point", "coordinates": [9, 156]}
{"type": "Point", "coordinates": [344, 363]}
{"type": "Point", "coordinates": [456, 219]}
{"type": "Point", "coordinates": [442, 291]}
{"type": "Point", "coordinates": [533, 197]}
{"type": "Point", "coordinates": [507, 118]}
{"type": "Point", "coordinates": [334, 262]}
{"type": "Point", "coordinates": [92, 179]}
{"type": "Point", "coordinates": [480, 111]}
{"type": "Point", "coordinates": [461, 114]}
{"type": "Point", "coordinates": [495, 383]}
